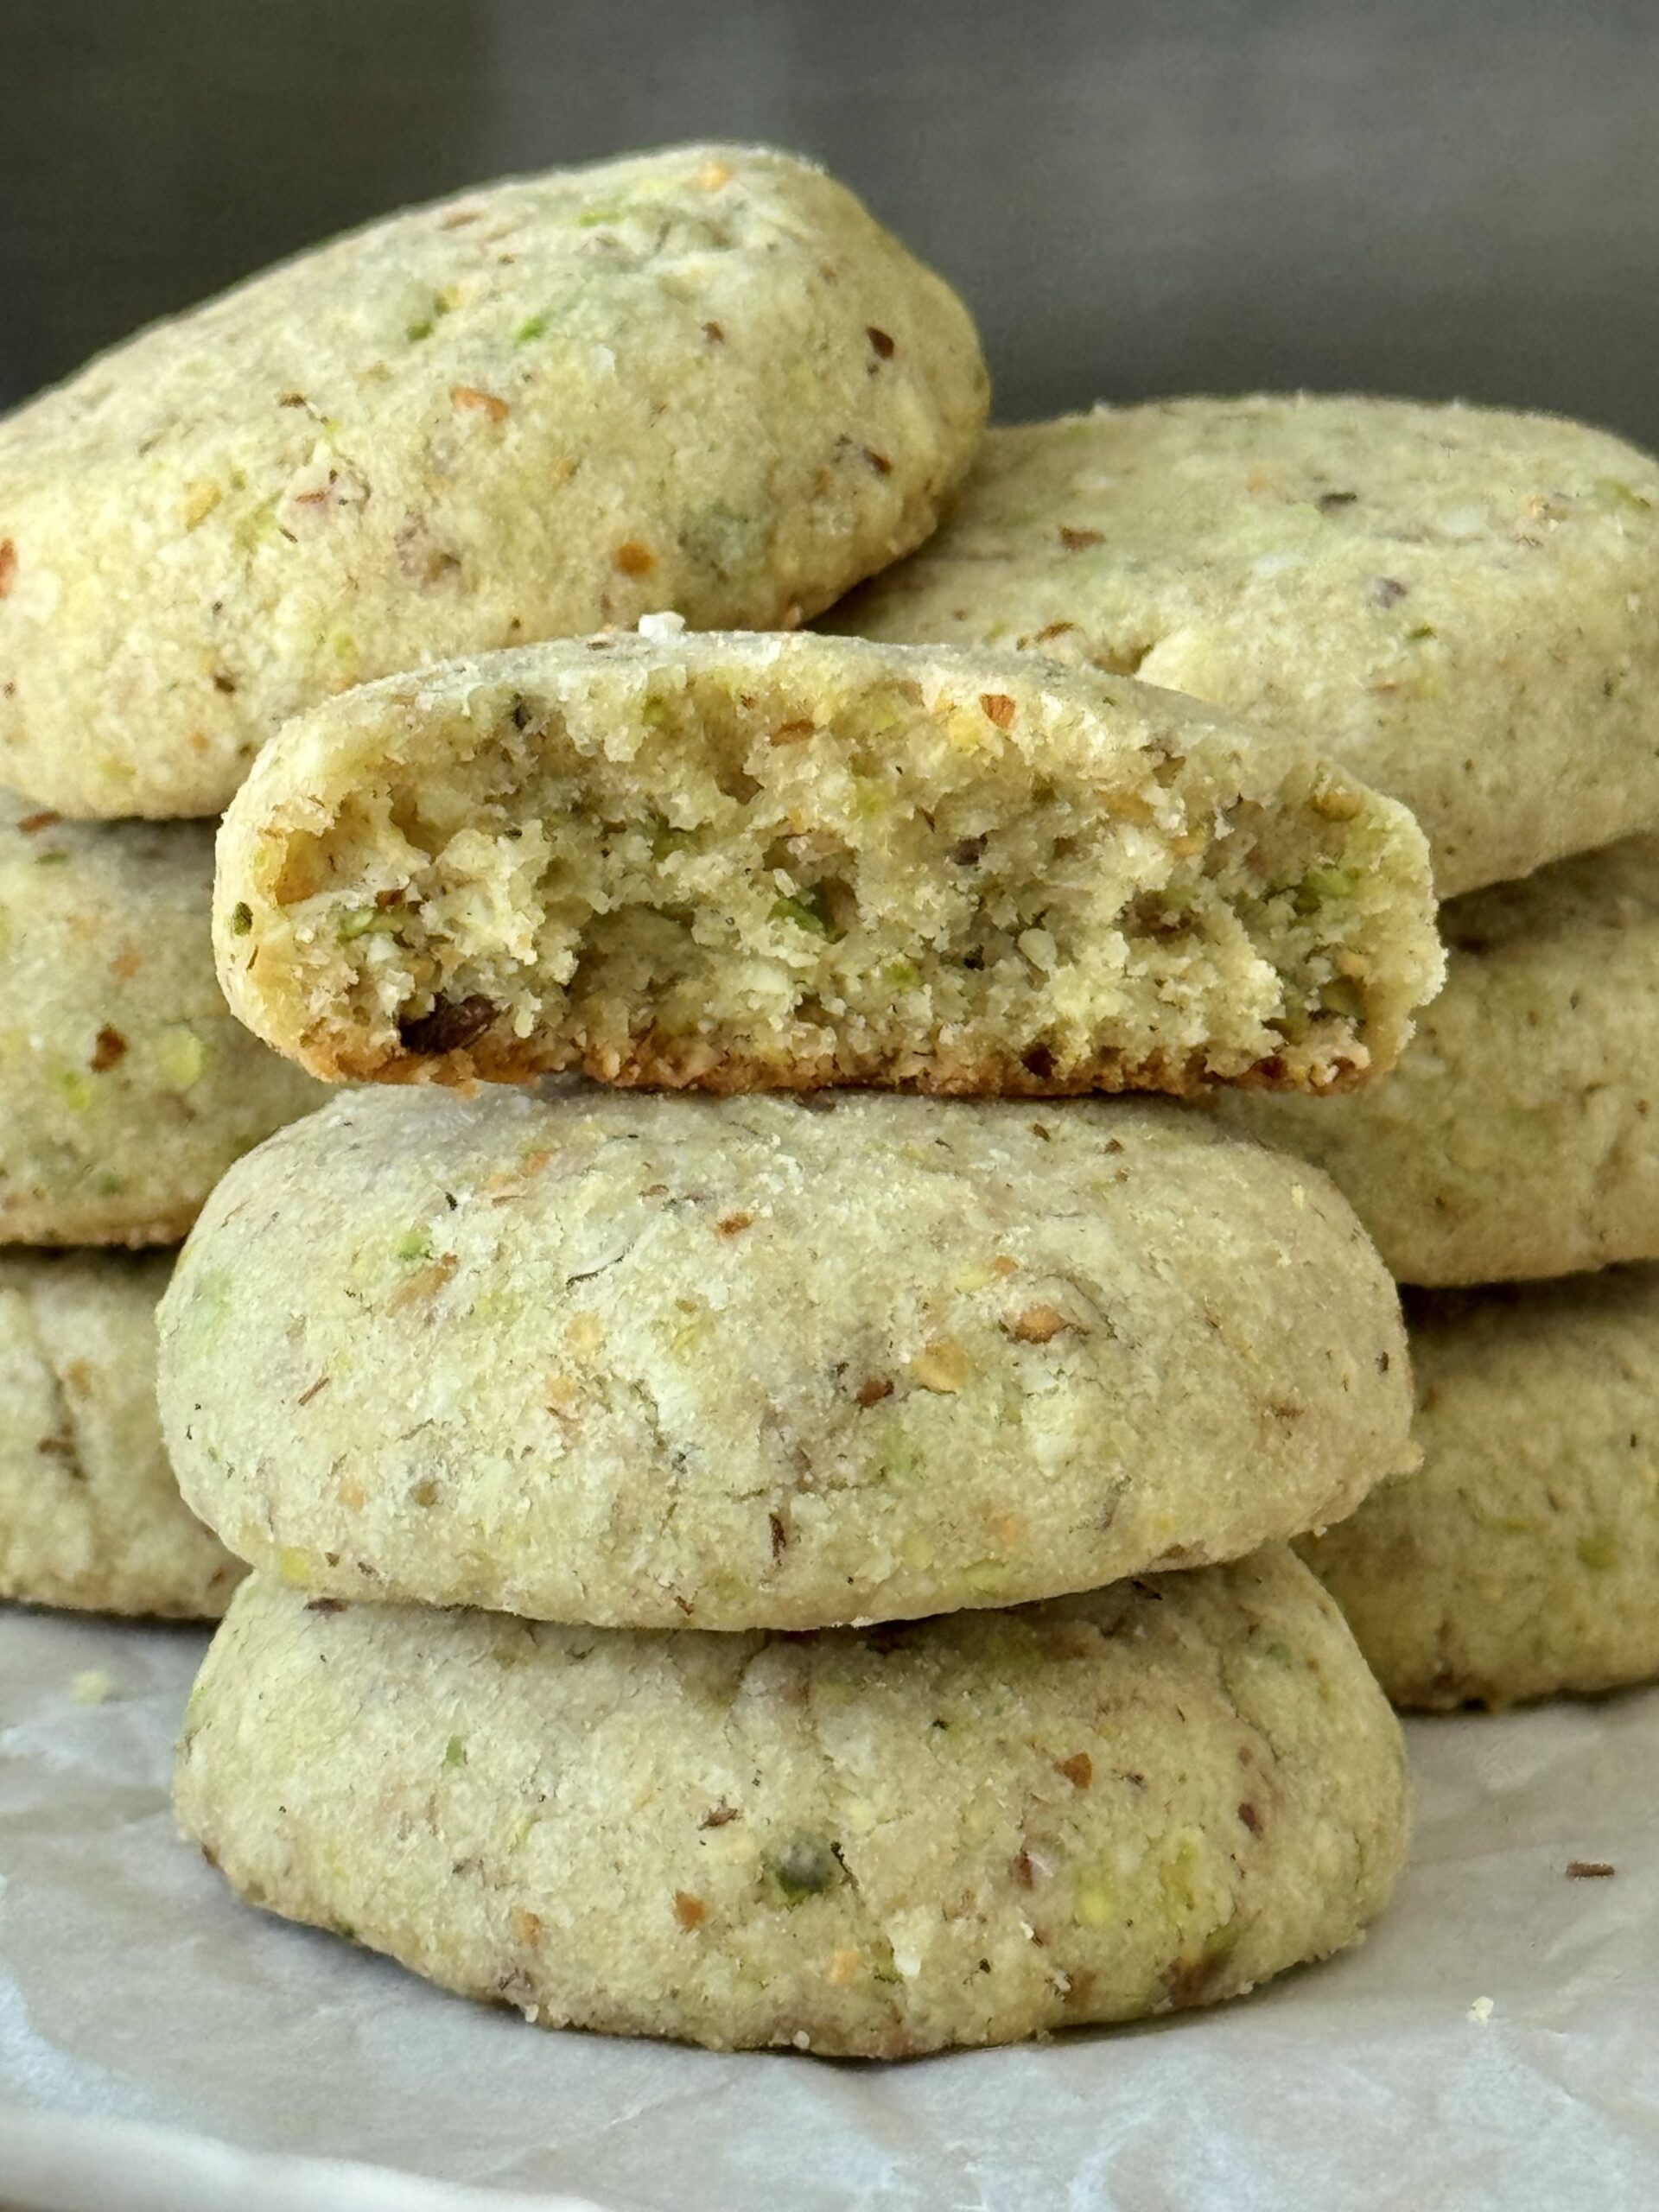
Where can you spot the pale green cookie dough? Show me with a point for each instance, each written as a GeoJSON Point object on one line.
{"type": "Point", "coordinates": [704, 379]}
{"type": "Point", "coordinates": [1518, 1135]}
{"type": "Point", "coordinates": [748, 863]}
{"type": "Point", "coordinates": [745, 1363]}
{"type": "Point", "coordinates": [955, 1832]}
{"type": "Point", "coordinates": [90, 1514]}
{"type": "Point", "coordinates": [1458, 604]}
{"type": "Point", "coordinates": [126, 1087]}
{"type": "Point", "coordinates": [1523, 1559]}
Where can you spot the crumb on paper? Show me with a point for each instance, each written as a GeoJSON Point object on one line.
{"type": "Point", "coordinates": [1481, 2010]}
{"type": "Point", "coordinates": [91, 1687]}
{"type": "Point", "coordinates": [1589, 1869]}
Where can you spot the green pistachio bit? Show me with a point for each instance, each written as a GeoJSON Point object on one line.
{"type": "Point", "coordinates": [50, 860]}
{"type": "Point", "coordinates": [1599, 1551]}
{"type": "Point", "coordinates": [1343, 996]}
{"type": "Point", "coordinates": [902, 975]}
{"type": "Point", "coordinates": [455, 1751]}
{"type": "Point", "coordinates": [593, 219]}
{"type": "Point", "coordinates": [805, 1867]}
{"type": "Point", "coordinates": [344, 1930]}
{"type": "Point", "coordinates": [241, 919]}
{"type": "Point", "coordinates": [665, 838]}
{"type": "Point", "coordinates": [414, 1244]}
{"type": "Point", "coordinates": [809, 911]}
{"type": "Point", "coordinates": [77, 1089]}
{"type": "Point", "coordinates": [416, 331]}
{"type": "Point", "coordinates": [368, 921]}
{"type": "Point", "coordinates": [108, 1184]}
{"type": "Point", "coordinates": [1278, 1652]}
{"type": "Point", "coordinates": [533, 326]}
{"type": "Point", "coordinates": [1422, 630]}
{"type": "Point", "coordinates": [181, 1057]}
{"type": "Point", "coordinates": [1323, 886]}
{"type": "Point", "coordinates": [1613, 493]}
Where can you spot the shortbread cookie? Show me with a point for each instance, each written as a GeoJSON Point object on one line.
{"type": "Point", "coordinates": [90, 1514]}
{"type": "Point", "coordinates": [741, 1362]}
{"type": "Point", "coordinates": [126, 1089]}
{"type": "Point", "coordinates": [960, 1831]}
{"type": "Point", "coordinates": [1524, 1558]}
{"type": "Point", "coordinates": [1458, 604]}
{"type": "Point", "coordinates": [1519, 1135]}
{"type": "Point", "coordinates": [702, 380]}
{"type": "Point", "coordinates": [776, 863]}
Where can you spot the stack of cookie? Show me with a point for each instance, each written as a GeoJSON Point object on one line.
{"type": "Point", "coordinates": [705, 380]}
{"type": "Point", "coordinates": [1461, 604]}
{"type": "Point", "coordinates": [743, 1420]}
{"type": "Point", "coordinates": [859, 1502]}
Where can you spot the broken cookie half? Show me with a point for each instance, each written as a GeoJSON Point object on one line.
{"type": "Point", "coordinates": [746, 862]}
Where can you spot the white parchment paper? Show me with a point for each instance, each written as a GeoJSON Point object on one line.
{"type": "Point", "coordinates": [164, 2049]}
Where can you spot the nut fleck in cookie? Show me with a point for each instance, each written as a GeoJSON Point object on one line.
{"type": "Point", "coordinates": [1519, 1135]}
{"type": "Point", "coordinates": [658, 1362]}
{"type": "Point", "coordinates": [704, 379]}
{"type": "Point", "coordinates": [746, 863]}
{"type": "Point", "coordinates": [1457, 603]}
{"type": "Point", "coordinates": [90, 1514]}
{"type": "Point", "coordinates": [959, 1831]}
{"type": "Point", "coordinates": [1524, 1558]}
{"type": "Point", "coordinates": [126, 1089]}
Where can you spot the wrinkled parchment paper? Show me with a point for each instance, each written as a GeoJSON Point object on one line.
{"type": "Point", "coordinates": [1494, 2044]}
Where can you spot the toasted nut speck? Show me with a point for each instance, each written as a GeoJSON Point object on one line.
{"type": "Point", "coordinates": [1037, 1324]}
{"type": "Point", "coordinates": [690, 1912]}
{"type": "Point", "coordinates": [872, 1390]}
{"type": "Point", "coordinates": [999, 708]}
{"type": "Point", "coordinates": [634, 559]}
{"type": "Point", "coordinates": [7, 565]}
{"type": "Point", "coordinates": [1078, 541]}
{"type": "Point", "coordinates": [526, 1926]}
{"type": "Point", "coordinates": [468, 398]}
{"type": "Point", "coordinates": [1078, 1770]}
{"type": "Point", "coordinates": [733, 1224]}
{"type": "Point", "coordinates": [941, 1365]}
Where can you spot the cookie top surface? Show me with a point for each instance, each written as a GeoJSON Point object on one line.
{"type": "Point", "coordinates": [961, 1831]}
{"type": "Point", "coordinates": [746, 863]}
{"type": "Point", "coordinates": [126, 1087]}
{"type": "Point", "coordinates": [1518, 1135]}
{"type": "Point", "coordinates": [704, 379]}
{"type": "Point", "coordinates": [1458, 603]}
{"type": "Point", "coordinates": [90, 1514]}
{"type": "Point", "coordinates": [1523, 1559]}
{"type": "Point", "coordinates": [755, 1365]}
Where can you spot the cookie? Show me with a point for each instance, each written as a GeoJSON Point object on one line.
{"type": "Point", "coordinates": [126, 1089]}
{"type": "Point", "coordinates": [751, 863]}
{"type": "Point", "coordinates": [1518, 1135]}
{"type": "Point", "coordinates": [1524, 1558]}
{"type": "Point", "coordinates": [704, 379]}
{"type": "Point", "coordinates": [90, 1514]}
{"type": "Point", "coordinates": [1457, 603]}
{"type": "Point", "coordinates": [955, 1832]}
{"type": "Point", "coordinates": [754, 1365]}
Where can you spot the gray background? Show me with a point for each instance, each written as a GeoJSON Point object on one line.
{"type": "Point", "coordinates": [1458, 197]}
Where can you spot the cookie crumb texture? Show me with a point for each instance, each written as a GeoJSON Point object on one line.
{"type": "Point", "coordinates": [749, 863]}
{"type": "Point", "coordinates": [1523, 1559]}
{"type": "Point", "coordinates": [1457, 603]}
{"type": "Point", "coordinates": [756, 1362]}
{"type": "Point", "coordinates": [959, 1832]}
{"type": "Point", "coordinates": [126, 1087]}
{"type": "Point", "coordinates": [1519, 1136]}
{"type": "Point", "coordinates": [90, 1514]}
{"type": "Point", "coordinates": [704, 380]}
